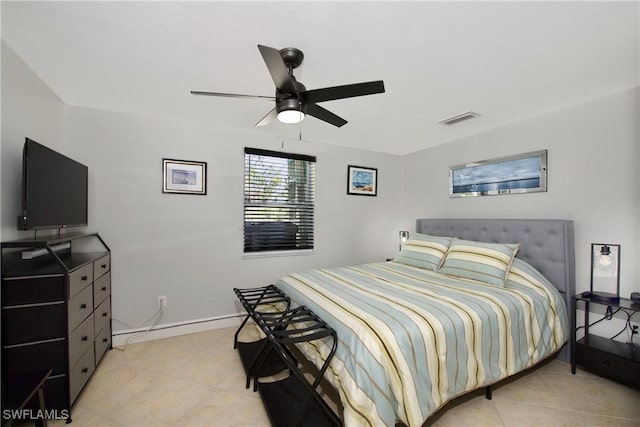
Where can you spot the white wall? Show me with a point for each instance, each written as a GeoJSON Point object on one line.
{"type": "Point", "coordinates": [186, 247]}
{"type": "Point", "coordinates": [592, 177]}
{"type": "Point", "coordinates": [190, 248]}
{"type": "Point", "coordinates": [593, 164]}
{"type": "Point", "coordinates": [29, 109]}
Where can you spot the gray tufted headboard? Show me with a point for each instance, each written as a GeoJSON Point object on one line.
{"type": "Point", "coordinates": [546, 244]}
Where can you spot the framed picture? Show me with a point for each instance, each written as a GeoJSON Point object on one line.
{"type": "Point", "coordinates": [362, 181]}
{"type": "Point", "coordinates": [521, 173]}
{"type": "Point", "coordinates": [184, 177]}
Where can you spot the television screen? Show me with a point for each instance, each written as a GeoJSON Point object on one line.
{"type": "Point", "coordinates": [54, 189]}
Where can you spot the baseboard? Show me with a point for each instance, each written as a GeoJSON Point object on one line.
{"type": "Point", "coordinates": [130, 336]}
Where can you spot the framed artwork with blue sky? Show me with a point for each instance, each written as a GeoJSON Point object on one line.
{"type": "Point", "coordinates": [520, 173]}
{"type": "Point", "coordinates": [362, 181]}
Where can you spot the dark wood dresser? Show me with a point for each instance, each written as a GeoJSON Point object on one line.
{"type": "Point", "coordinates": [56, 314]}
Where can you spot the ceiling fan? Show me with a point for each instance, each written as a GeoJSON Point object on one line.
{"type": "Point", "coordinates": [293, 100]}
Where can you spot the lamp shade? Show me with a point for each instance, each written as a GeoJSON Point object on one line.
{"type": "Point", "coordinates": [404, 236]}
{"type": "Point", "coordinates": [605, 272]}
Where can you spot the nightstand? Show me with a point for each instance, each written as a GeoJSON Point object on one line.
{"type": "Point", "coordinates": [611, 359]}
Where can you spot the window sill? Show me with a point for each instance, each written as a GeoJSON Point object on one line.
{"type": "Point", "coordinates": [269, 254]}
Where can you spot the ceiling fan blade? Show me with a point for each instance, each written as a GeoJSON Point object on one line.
{"type": "Point", "coordinates": [345, 91]}
{"type": "Point", "coordinates": [323, 114]}
{"type": "Point", "coordinates": [233, 95]}
{"type": "Point", "coordinates": [278, 69]}
{"type": "Point", "coordinates": [268, 118]}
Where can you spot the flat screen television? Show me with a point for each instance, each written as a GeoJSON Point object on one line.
{"type": "Point", "coordinates": [54, 189]}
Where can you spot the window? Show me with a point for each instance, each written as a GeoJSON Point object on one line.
{"type": "Point", "coordinates": [278, 201]}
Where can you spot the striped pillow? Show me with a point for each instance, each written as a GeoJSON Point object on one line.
{"type": "Point", "coordinates": [484, 262]}
{"type": "Point", "coordinates": [424, 251]}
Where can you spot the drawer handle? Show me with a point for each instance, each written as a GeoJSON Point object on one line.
{"type": "Point", "coordinates": [83, 306]}
{"type": "Point", "coordinates": [105, 314]}
{"type": "Point", "coordinates": [105, 340]}
{"type": "Point", "coordinates": [85, 278]}
{"type": "Point", "coordinates": [104, 289]}
{"type": "Point", "coordinates": [85, 370]}
{"type": "Point", "coordinates": [84, 338]}
{"type": "Point", "coordinates": [104, 266]}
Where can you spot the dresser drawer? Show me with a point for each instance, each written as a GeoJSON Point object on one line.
{"type": "Point", "coordinates": [80, 373]}
{"type": "Point", "coordinates": [36, 357]}
{"type": "Point", "coordinates": [33, 289]}
{"type": "Point", "coordinates": [80, 340]}
{"type": "Point", "coordinates": [79, 279]}
{"type": "Point", "coordinates": [102, 314]}
{"type": "Point", "coordinates": [608, 365]}
{"type": "Point", "coordinates": [33, 323]}
{"type": "Point", "coordinates": [101, 289]}
{"type": "Point", "coordinates": [80, 307]}
{"type": "Point", "coordinates": [103, 341]}
{"type": "Point", "coordinates": [55, 392]}
{"type": "Point", "coordinates": [101, 266]}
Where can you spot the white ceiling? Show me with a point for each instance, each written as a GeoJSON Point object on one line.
{"type": "Point", "coordinates": [505, 60]}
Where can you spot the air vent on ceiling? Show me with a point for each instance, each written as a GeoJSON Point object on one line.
{"type": "Point", "coordinates": [459, 118]}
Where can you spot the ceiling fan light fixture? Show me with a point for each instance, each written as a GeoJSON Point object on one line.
{"type": "Point", "coordinates": [291, 116]}
{"type": "Point", "coordinates": [290, 111]}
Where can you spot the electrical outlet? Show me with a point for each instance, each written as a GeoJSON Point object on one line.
{"type": "Point", "coordinates": [162, 301]}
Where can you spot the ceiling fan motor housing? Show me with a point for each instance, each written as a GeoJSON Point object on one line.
{"type": "Point", "coordinates": [287, 104]}
{"type": "Point", "coordinates": [291, 101]}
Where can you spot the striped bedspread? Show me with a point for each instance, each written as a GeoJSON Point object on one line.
{"type": "Point", "coordinates": [411, 339]}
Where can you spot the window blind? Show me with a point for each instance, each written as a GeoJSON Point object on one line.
{"type": "Point", "coordinates": [278, 200]}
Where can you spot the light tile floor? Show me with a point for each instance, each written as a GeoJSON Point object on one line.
{"type": "Point", "coordinates": [198, 380]}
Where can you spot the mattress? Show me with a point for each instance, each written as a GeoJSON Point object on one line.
{"type": "Point", "coordinates": [411, 339]}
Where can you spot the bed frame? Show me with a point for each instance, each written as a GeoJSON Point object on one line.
{"type": "Point", "coordinates": [546, 244]}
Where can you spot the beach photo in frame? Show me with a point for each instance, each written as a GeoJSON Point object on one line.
{"type": "Point", "coordinates": [184, 177]}
{"type": "Point", "coordinates": [520, 173]}
{"type": "Point", "coordinates": [362, 181]}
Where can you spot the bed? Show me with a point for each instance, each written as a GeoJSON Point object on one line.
{"type": "Point", "coordinates": [411, 338]}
